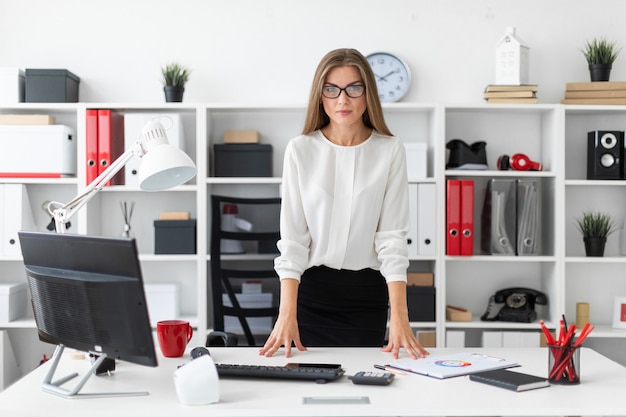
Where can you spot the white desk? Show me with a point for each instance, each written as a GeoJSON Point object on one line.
{"type": "Point", "coordinates": [601, 392]}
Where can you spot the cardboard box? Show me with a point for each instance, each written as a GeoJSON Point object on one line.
{"type": "Point", "coordinates": [257, 324]}
{"type": "Point", "coordinates": [454, 313]}
{"type": "Point", "coordinates": [37, 151]}
{"type": "Point", "coordinates": [421, 303]}
{"type": "Point", "coordinates": [241, 136]}
{"type": "Point", "coordinates": [51, 86]}
{"type": "Point", "coordinates": [26, 119]}
{"type": "Point", "coordinates": [174, 215]}
{"type": "Point", "coordinates": [421, 279]}
{"type": "Point", "coordinates": [242, 160]}
{"type": "Point", "coordinates": [163, 301]}
{"type": "Point", "coordinates": [174, 236]}
{"type": "Point", "coordinates": [427, 338]}
{"type": "Point", "coordinates": [13, 299]}
{"type": "Point", "coordinates": [12, 81]}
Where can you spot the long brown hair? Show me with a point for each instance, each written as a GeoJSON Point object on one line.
{"type": "Point", "coordinates": [316, 117]}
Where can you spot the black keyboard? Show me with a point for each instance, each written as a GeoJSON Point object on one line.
{"type": "Point", "coordinates": [320, 375]}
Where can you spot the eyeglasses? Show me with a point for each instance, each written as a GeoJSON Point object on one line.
{"type": "Point", "coordinates": [352, 91]}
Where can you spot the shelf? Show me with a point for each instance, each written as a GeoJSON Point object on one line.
{"type": "Point", "coordinates": [489, 173]}
{"type": "Point", "coordinates": [553, 134]}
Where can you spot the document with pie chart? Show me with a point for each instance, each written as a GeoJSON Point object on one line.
{"type": "Point", "coordinates": [451, 365]}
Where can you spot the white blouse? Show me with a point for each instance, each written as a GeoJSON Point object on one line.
{"type": "Point", "coordinates": [345, 207]}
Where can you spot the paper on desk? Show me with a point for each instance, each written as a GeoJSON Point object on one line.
{"type": "Point", "coordinates": [455, 364]}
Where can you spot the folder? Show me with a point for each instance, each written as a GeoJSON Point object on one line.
{"type": "Point", "coordinates": [414, 219]}
{"type": "Point", "coordinates": [91, 145]}
{"type": "Point", "coordinates": [467, 217]}
{"type": "Point", "coordinates": [426, 219]}
{"type": "Point", "coordinates": [15, 215]}
{"type": "Point", "coordinates": [498, 219]}
{"type": "Point", "coordinates": [453, 232]}
{"type": "Point", "coordinates": [527, 217]}
{"type": "Point", "coordinates": [110, 142]}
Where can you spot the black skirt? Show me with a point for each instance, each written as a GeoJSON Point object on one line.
{"type": "Point", "coordinates": [342, 307]}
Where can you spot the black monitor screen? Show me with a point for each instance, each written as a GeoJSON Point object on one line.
{"type": "Point", "coordinates": [87, 294]}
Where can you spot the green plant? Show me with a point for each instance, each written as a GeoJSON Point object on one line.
{"type": "Point", "coordinates": [595, 224]}
{"type": "Point", "coordinates": [600, 51]}
{"type": "Point", "coordinates": [175, 75]}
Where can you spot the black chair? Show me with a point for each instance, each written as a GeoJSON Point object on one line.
{"type": "Point", "coordinates": [225, 279]}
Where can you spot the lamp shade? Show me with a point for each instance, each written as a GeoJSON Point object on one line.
{"type": "Point", "coordinates": [163, 165]}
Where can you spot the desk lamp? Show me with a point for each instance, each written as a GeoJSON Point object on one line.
{"type": "Point", "coordinates": [164, 166]}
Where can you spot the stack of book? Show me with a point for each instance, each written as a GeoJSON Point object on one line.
{"type": "Point", "coordinates": [595, 92]}
{"type": "Point", "coordinates": [517, 94]}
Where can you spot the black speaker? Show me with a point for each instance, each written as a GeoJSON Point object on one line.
{"type": "Point", "coordinates": [605, 155]}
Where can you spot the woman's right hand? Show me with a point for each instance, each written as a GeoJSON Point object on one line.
{"type": "Point", "coordinates": [285, 333]}
{"type": "Point", "coordinates": [285, 330]}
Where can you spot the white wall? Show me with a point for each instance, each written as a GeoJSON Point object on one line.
{"type": "Point", "coordinates": [254, 51]}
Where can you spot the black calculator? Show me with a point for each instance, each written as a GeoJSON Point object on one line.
{"type": "Point", "coordinates": [372, 378]}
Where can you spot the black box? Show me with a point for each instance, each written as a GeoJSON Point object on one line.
{"type": "Point", "coordinates": [51, 86]}
{"type": "Point", "coordinates": [421, 303]}
{"type": "Point", "coordinates": [174, 236]}
{"type": "Point", "coordinates": [242, 160]}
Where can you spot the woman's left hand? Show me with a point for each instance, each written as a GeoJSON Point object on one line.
{"type": "Point", "coordinates": [401, 336]}
{"type": "Point", "coordinates": [400, 332]}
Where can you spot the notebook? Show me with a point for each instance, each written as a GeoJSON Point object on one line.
{"type": "Point", "coordinates": [514, 381]}
{"type": "Point", "coordinates": [451, 365]}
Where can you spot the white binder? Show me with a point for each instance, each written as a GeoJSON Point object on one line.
{"type": "Point", "coordinates": [15, 215]}
{"type": "Point", "coordinates": [133, 125]}
{"type": "Point", "coordinates": [426, 219]}
{"type": "Point", "coordinates": [414, 220]}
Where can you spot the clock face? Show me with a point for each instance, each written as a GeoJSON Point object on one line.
{"type": "Point", "coordinates": [392, 76]}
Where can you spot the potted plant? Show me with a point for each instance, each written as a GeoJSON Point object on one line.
{"type": "Point", "coordinates": [595, 226]}
{"type": "Point", "coordinates": [174, 79]}
{"type": "Point", "coordinates": [600, 55]}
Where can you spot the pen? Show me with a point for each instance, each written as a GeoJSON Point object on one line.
{"type": "Point", "coordinates": [389, 369]}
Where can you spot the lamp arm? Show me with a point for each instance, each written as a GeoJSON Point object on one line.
{"type": "Point", "coordinates": [63, 213]}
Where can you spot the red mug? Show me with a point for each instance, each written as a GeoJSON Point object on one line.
{"type": "Point", "coordinates": [173, 337]}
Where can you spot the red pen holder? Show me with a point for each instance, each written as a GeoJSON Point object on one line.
{"type": "Point", "coordinates": [563, 364]}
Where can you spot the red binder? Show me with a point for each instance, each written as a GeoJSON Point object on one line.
{"type": "Point", "coordinates": [110, 142]}
{"type": "Point", "coordinates": [453, 207]}
{"type": "Point", "coordinates": [467, 217]}
{"type": "Point", "coordinates": [91, 144]}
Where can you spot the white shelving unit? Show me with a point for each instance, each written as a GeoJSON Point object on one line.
{"type": "Point", "coordinates": [552, 134]}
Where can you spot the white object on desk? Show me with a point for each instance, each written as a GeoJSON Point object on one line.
{"type": "Point", "coordinates": [197, 382]}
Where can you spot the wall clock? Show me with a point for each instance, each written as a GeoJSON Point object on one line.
{"type": "Point", "coordinates": [392, 74]}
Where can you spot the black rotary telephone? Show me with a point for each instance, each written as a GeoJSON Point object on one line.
{"type": "Point", "coordinates": [519, 305]}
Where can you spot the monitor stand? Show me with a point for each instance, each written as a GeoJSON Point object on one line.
{"type": "Point", "coordinates": [55, 387]}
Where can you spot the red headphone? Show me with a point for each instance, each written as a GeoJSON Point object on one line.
{"type": "Point", "coordinates": [518, 162]}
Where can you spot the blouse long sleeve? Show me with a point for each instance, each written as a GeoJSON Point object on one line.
{"type": "Point", "coordinates": [344, 207]}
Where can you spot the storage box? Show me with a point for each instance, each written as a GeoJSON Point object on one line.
{"type": "Point", "coordinates": [241, 136]}
{"type": "Point", "coordinates": [257, 324]}
{"type": "Point", "coordinates": [421, 303]}
{"type": "Point", "coordinates": [421, 279]}
{"type": "Point", "coordinates": [37, 151]}
{"type": "Point", "coordinates": [242, 160]}
{"type": "Point", "coordinates": [427, 338]}
{"type": "Point", "coordinates": [163, 301]}
{"type": "Point", "coordinates": [51, 86]}
{"type": "Point", "coordinates": [454, 313]}
{"type": "Point", "coordinates": [12, 301]}
{"type": "Point", "coordinates": [11, 85]}
{"type": "Point", "coordinates": [416, 160]}
{"type": "Point", "coordinates": [174, 236]}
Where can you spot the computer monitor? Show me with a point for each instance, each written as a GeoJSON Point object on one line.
{"type": "Point", "coordinates": [87, 294]}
